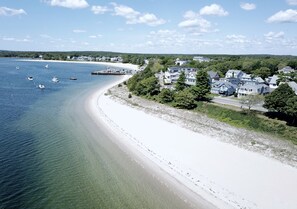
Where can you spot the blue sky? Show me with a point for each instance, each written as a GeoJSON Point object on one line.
{"type": "Point", "coordinates": [151, 26]}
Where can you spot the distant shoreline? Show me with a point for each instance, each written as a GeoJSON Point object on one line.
{"type": "Point", "coordinates": [111, 64]}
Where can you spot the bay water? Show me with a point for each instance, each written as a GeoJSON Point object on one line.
{"type": "Point", "coordinates": [52, 155]}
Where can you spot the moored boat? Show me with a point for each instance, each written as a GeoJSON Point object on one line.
{"type": "Point", "coordinates": [55, 79]}
{"type": "Point", "coordinates": [30, 78]}
{"type": "Point", "coordinates": [72, 78]}
{"type": "Point", "coordinates": [41, 86]}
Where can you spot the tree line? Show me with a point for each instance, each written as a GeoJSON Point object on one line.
{"type": "Point", "coordinates": [146, 84]}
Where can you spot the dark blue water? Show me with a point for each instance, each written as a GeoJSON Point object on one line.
{"type": "Point", "coordinates": [52, 155]}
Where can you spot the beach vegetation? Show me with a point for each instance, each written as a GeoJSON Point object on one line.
{"type": "Point", "coordinates": [147, 87]}
{"type": "Point", "coordinates": [166, 96]}
{"type": "Point", "coordinates": [184, 99]}
{"type": "Point", "coordinates": [254, 121]}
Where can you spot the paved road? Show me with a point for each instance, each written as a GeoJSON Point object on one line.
{"type": "Point", "coordinates": [236, 103]}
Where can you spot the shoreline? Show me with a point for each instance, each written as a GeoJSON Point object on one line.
{"type": "Point", "coordinates": [220, 178]}
{"type": "Point", "coordinates": [123, 141]}
{"type": "Point", "coordinates": [111, 64]}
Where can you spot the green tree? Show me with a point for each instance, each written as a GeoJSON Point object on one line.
{"type": "Point", "coordinates": [277, 100]}
{"type": "Point", "coordinates": [148, 86]}
{"type": "Point", "coordinates": [166, 96]}
{"type": "Point", "coordinates": [184, 99]}
{"type": "Point", "coordinates": [291, 108]}
{"type": "Point", "coordinates": [202, 87]}
{"type": "Point", "coordinates": [251, 100]}
{"type": "Point", "coordinates": [138, 77]}
{"type": "Point", "coordinates": [263, 72]}
{"type": "Point", "coordinates": [181, 82]}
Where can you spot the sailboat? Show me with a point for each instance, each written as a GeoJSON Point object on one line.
{"type": "Point", "coordinates": [46, 66]}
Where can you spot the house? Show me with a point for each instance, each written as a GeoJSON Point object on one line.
{"type": "Point", "coordinates": [234, 74]}
{"type": "Point", "coordinates": [191, 78]}
{"type": "Point", "coordinates": [201, 59]}
{"type": "Point", "coordinates": [213, 76]}
{"type": "Point", "coordinates": [252, 88]}
{"type": "Point", "coordinates": [223, 87]}
{"type": "Point", "coordinates": [172, 74]}
{"type": "Point", "coordinates": [249, 78]}
{"type": "Point", "coordinates": [181, 62]}
{"type": "Point", "coordinates": [286, 70]}
{"type": "Point", "coordinates": [273, 82]}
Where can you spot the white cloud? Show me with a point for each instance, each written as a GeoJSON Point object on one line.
{"type": "Point", "coordinates": [195, 23]}
{"type": "Point", "coordinates": [95, 36]}
{"type": "Point", "coordinates": [274, 35]}
{"type": "Point", "coordinates": [213, 9]}
{"type": "Point", "coordinates": [5, 11]}
{"type": "Point", "coordinates": [99, 9]}
{"type": "Point", "coordinates": [151, 20]}
{"type": "Point", "coordinates": [72, 4]}
{"type": "Point", "coordinates": [248, 6]}
{"type": "Point", "coordinates": [16, 39]}
{"type": "Point", "coordinates": [292, 2]}
{"type": "Point", "coordinates": [125, 11]}
{"type": "Point", "coordinates": [134, 17]}
{"type": "Point", "coordinates": [8, 39]}
{"type": "Point", "coordinates": [78, 31]}
{"type": "Point", "coordinates": [288, 16]}
{"type": "Point", "coordinates": [237, 39]}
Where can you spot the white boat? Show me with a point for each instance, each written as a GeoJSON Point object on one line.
{"type": "Point", "coordinates": [41, 86]}
{"type": "Point", "coordinates": [55, 79]}
{"type": "Point", "coordinates": [30, 78]}
{"type": "Point", "coordinates": [17, 67]}
{"type": "Point", "coordinates": [73, 78]}
{"type": "Point", "coordinates": [46, 66]}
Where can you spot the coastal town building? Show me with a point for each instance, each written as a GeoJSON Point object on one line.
{"type": "Point", "coordinates": [286, 70]}
{"type": "Point", "coordinates": [201, 59]}
{"type": "Point", "coordinates": [234, 74]}
{"type": "Point", "coordinates": [251, 88]}
{"type": "Point", "coordinates": [273, 82]}
{"type": "Point", "coordinates": [223, 88]}
{"type": "Point", "coordinates": [213, 76]}
{"type": "Point", "coordinates": [179, 62]}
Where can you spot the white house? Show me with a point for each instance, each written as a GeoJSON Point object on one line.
{"type": "Point", "coordinates": [249, 78]}
{"type": "Point", "coordinates": [234, 74]}
{"type": "Point", "coordinates": [181, 62]}
{"type": "Point", "coordinates": [201, 59]}
{"type": "Point", "coordinates": [286, 70]}
{"type": "Point", "coordinates": [255, 89]}
{"type": "Point", "coordinates": [273, 82]}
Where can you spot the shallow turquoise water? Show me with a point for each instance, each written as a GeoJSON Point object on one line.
{"type": "Point", "coordinates": [51, 153]}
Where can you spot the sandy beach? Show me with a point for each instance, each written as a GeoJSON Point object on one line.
{"type": "Point", "coordinates": [225, 175]}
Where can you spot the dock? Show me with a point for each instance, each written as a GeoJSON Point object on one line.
{"type": "Point", "coordinates": [109, 72]}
